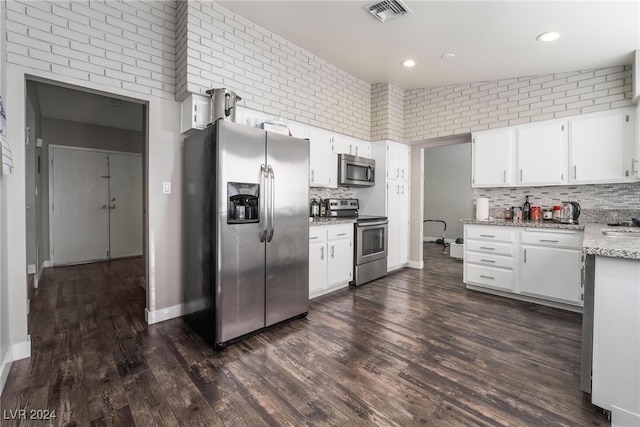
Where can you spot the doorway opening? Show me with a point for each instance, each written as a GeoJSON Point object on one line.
{"type": "Point", "coordinates": [85, 179]}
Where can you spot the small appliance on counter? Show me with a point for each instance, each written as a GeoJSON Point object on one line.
{"type": "Point", "coordinates": [570, 213]}
{"type": "Point", "coordinates": [223, 104]}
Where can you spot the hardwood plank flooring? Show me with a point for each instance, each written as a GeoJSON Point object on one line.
{"type": "Point", "coordinates": [413, 348]}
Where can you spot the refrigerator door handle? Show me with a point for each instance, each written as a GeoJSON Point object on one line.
{"type": "Point", "coordinates": [263, 193]}
{"type": "Point", "coordinates": [271, 203]}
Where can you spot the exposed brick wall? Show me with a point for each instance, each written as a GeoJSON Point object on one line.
{"type": "Point", "coordinates": [271, 74]}
{"type": "Point", "coordinates": [450, 110]}
{"type": "Point", "coordinates": [387, 112]}
{"type": "Point", "coordinates": [129, 45]}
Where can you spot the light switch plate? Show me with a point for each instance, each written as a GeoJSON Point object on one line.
{"type": "Point", "coordinates": [166, 187]}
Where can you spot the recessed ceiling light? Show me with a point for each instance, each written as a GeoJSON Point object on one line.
{"type": "Point", "coordinates": [548, 36]}
{"type": "Point", "coordinates": [448, 56]}
{"type": "Point", "coordinates": [409, 63]}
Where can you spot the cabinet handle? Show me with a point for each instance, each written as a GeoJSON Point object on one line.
{"type": "Point", "coordinates": [562, 177]}
{"type": "Point", "coordinates": [403, 189]}
{"type": "Point", "coordinates": [487, 235]}
{"type": "Point", "coordinates": [397, 189]}
{"type": "Point", "coordinates": [341, 234]}
{"type": "Point", "coordinates": [634, 162]}
{"type": "Point", "coordinates": [398, 173]}
{"type": "Point", "coordinates": [575, 172]}
{"type": "Point", "coordinates": [487, 248]}
{"type": "Point", "coordinates": [356, 150]}
{"type": "Point", "coordinates": [487, 277]}
{"type": "Point", "coordinates": [313, 176]}
{"type": "Point", "coordinates": [350, 146]}
{"type": "Point", "coordinates": [403, 173]}
{"type": "Point", "coordinates": [313, 238]}
{"type": "Point", "coordinates": [322, 253]}
{"type": "Point", "coordinates": [525, 255]}
{"type": "Point", "coordinates": [487, 260]}
{"type": "Point", "coordinates": [504, 179]}
{"type": "Point", "coordinates": [333, 251]}
{"type": "Point", "coordinates": [520, 175]}
{"type": "Point", "coordinates": [550, 241]}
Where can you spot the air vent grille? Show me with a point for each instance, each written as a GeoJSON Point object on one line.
{"type": "Point", "coordinates": [388, 9]}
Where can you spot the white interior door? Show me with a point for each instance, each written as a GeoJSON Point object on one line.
{"type": "Point", "coordinates": [125, 204]}
{"type": "Point", "coordinates": [79, 211]}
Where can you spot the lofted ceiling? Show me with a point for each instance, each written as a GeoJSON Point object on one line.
{"type": "Point", "coordinates": [490, 39]}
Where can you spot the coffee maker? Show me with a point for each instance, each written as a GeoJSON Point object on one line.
{"type": "Point", "coordinates": [570, 213]}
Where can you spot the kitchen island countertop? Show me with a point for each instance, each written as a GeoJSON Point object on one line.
{"type": "Point", "coordinates": [597, 243]}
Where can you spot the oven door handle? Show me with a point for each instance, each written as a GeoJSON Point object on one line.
{"type": "Point", "coordinates": [368, 224]}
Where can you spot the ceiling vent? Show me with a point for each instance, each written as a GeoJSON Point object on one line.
{"type": "Point", "coordinates": [388, 9]}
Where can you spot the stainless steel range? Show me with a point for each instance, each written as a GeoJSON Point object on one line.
{"type": "Point", "coordinates": [370, 249]}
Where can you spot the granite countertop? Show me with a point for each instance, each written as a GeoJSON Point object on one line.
{"type": "Point", "coordinates": [595, 242]}
{"type": "Point", "coordinates": [530, 224]}
{"type": "Point", "coordinates": [313, 222]}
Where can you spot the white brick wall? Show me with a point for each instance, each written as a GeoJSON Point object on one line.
{"type": "Point", "coordinates": [449, 110]}
{"type": "Point", "coordinates": [387, 112]}
{"type": "Point", "coordinates": [271, 74]}
{"type": "Point", "coordinates": [129, 45]}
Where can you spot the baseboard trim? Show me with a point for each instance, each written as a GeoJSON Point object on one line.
{"type": "Point", "coordinates": [416, 264]}
{"type": "Point", "coordinates": [163, 314]}
{"type": "Point", "coordinates": [17, 351]}
{"type": "Point", "coordinates": [31, 269]}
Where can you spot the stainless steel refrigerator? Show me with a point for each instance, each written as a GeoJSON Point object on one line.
{"type": "Point", "coordinates": [246, 228]}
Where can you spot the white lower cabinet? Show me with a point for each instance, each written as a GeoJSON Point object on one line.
{"type": "Point", "coordinates": [330, 258]}
{"type": "Point", "coordinates": [616, 339]}
{"type": "Point", "coordinates": [535, 264]}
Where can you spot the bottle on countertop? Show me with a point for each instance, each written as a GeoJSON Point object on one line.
{"type": "Point", "coordinates": [315, 208]}
{"type": "Point", "coordinates": [526, 210]}
{"type": "Point", "coordinates": [323, 207]}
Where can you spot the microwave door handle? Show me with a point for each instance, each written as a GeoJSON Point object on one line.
{"type": "Point", "coordinates": [369, 174]}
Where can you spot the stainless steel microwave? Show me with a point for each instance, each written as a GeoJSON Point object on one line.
{"type": "Point", "coordinates": [354, 171]}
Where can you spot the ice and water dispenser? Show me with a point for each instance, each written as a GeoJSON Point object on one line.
{"type": "Point", "coordinates": [243, 203]}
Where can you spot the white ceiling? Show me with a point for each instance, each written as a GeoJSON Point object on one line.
{"type": "Point", "coordinates": [491, 39]}
{"type": "Point", "coordinates": [62, 103]}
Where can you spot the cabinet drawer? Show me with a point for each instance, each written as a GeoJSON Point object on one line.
{"type": "Point", "coordinates": [501, 234]}
{"type": "Point", "coordinates": [566, 239]}
{"type": "Point", "coordinates": [490, 247]}
{"type": "Point", "coordinates": [317, 234]}
{"type": "Point", "coordinates": [490, 260]}
{"type": "Point", "coordinates": [490, 277]}
{"type": "Point", "coordinates": [342, 232]}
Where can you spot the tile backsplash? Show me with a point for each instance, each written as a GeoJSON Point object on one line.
{"type": "Point", "coordinates": [331, 193]}
{"type": "Point", "coordinates": [599, 203]}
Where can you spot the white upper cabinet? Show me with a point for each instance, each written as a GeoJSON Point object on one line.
{"type": "Point", "coordinates": [601, 147]}
{"type": "Point", "coordinates": [323, 162]}
{"type": "Point", "coordinates": [343, 144]}
{"type": "Point", "coordinates": [541, 153]}
{"type": "Point", "coordinates": [492, 154]}
{"type": "Point", "coordinates": [398, 158]}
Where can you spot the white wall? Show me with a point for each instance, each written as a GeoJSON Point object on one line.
{"type": "Point", "coordinates": [217, 48]}
{"type": "Point", "coordinates": [447, 189]}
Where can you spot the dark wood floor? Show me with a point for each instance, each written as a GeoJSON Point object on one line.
{"type": "Point", "coordinates": [414, 348]}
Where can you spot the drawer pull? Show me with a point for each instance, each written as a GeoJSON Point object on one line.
{"type": "Point", "coordinates": [487, 277]}
{"type": "Point", "coordinates": [487, 248]}
{"type": "Point", "coordinates": [550, 241]}
{"type": "Point", "coordinates": [312, 238]}
{"type": "Point", "coordinates": [487, 235]}
{"type": "Point", "coordinates": [341, 234]}
{"type": "Point", "coordinates": [487, 260]}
